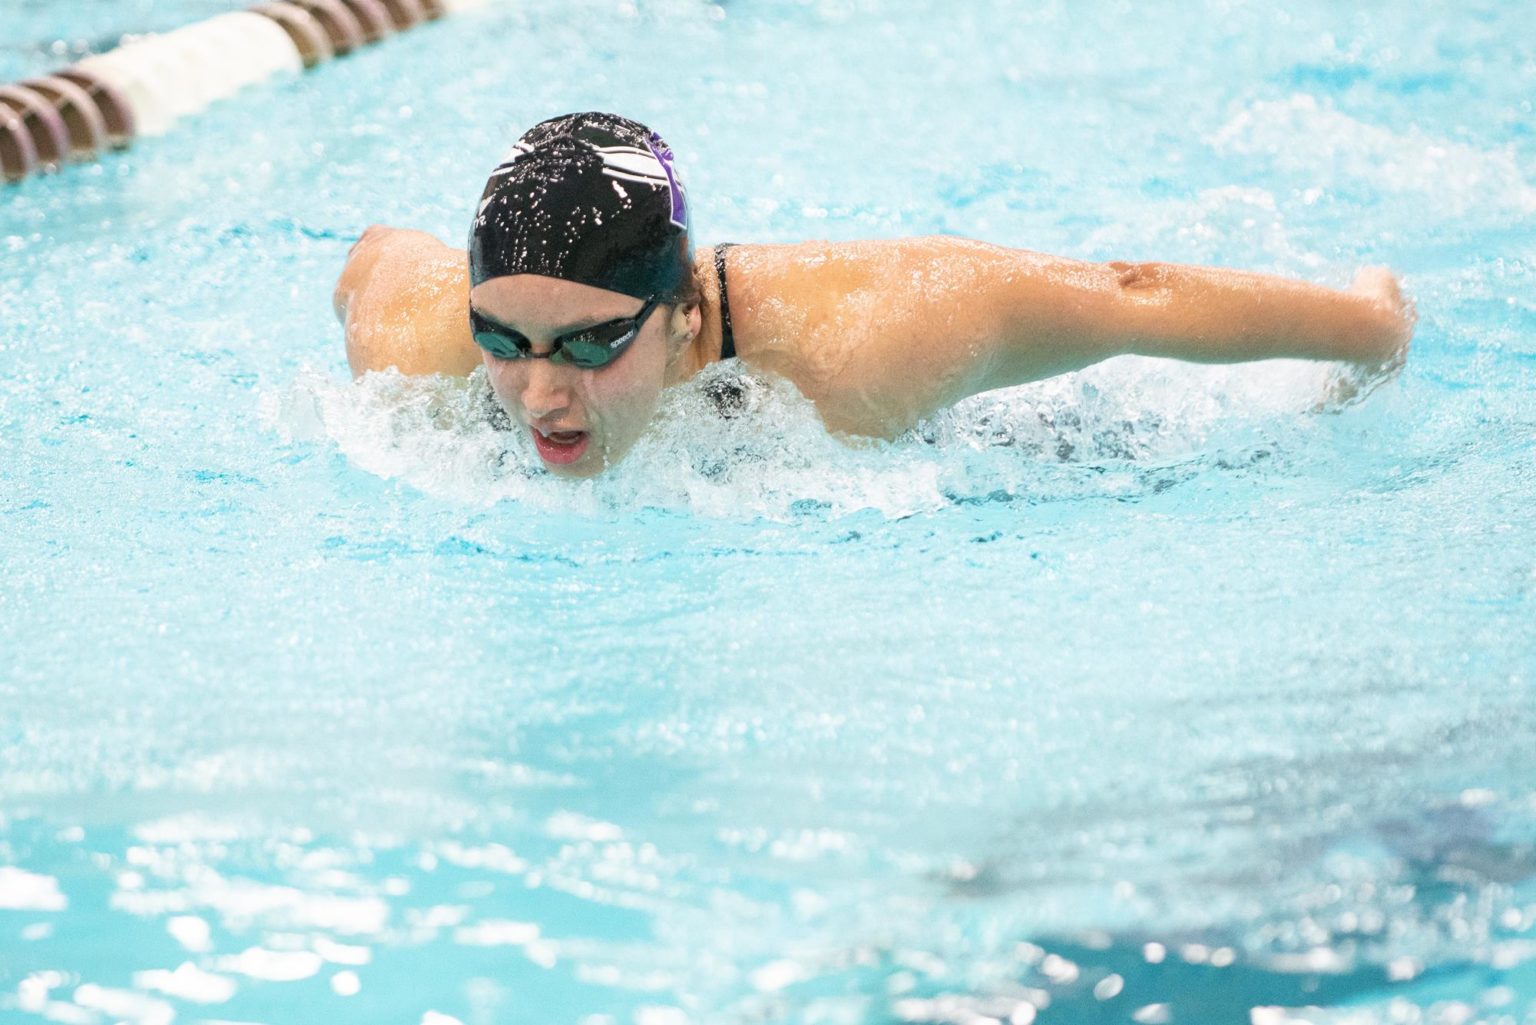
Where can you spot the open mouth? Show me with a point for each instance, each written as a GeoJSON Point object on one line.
{"type": "Point", "coordinates": [560, 447]}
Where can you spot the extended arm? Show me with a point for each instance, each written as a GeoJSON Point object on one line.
{"type": "Point", "coordinates": [881, 334]}
{"type": "Point", "coordinates": [1078, 313]}
{"type": "Point", "coordinates": [1212, 315]}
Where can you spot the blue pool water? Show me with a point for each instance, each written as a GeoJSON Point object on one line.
{"type": "Point", "coordinates": [1149, 694]}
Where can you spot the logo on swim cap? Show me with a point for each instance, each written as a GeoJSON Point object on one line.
{"type": "Point", "coordinates": [580, 198]}
{"type": "Point", "coordinates": [663, 156]}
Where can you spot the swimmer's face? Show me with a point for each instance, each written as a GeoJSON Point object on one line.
{"type": "Point", "coordinates": [580, 421]}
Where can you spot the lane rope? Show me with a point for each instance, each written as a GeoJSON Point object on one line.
{"type": "Point", "coordinates": [146, 84]}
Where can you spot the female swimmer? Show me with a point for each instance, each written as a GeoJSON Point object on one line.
{"type": "Point", "coordinates": [581, 295]}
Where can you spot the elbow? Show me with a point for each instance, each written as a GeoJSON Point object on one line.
{"type": "Point", "coordinates": [1139, 278]}
{"type": "Point", "coordinates": [1139, 295]}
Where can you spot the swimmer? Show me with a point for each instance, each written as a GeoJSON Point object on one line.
{"type": "Point", "coordinates": [583, 298]}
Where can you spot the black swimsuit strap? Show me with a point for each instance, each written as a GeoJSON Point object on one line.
{"type": "Point", "coordinates": [727, 339]}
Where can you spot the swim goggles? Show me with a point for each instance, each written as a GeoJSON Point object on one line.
{"type": "Point", "coordinates": [588, 347]}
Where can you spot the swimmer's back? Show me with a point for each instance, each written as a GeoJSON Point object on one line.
{"type": "Point", "coordinates": [881, 333]}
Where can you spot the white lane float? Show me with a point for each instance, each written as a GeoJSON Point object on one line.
{"type": "Point", "coordinates": [149, 82]}
{"type": "Point", "coordinates": [135, 81]}
{"type": "Point", "coordinates": [244, 49]}
{"type": "Point", "coordinates": [177, 69]}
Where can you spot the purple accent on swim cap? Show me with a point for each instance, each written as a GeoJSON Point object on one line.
{"type": "Point", "coordinates": [664, 157]}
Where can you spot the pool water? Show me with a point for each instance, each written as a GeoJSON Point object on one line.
{"type": "Point", "coordinates": [1156, 693]}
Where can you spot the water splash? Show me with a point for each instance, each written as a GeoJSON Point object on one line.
{"type": "Point", "coordinates": [1093, 433]}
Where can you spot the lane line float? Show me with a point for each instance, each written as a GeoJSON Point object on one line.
{"type": "Point", "coordinates": [147, 83]}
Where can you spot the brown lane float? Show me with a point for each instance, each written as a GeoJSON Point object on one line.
{"type": "Point", "coordinates": [18, 156]}
{"type": "Point", "coordinates": [82, 118]}
{"type": "Point", "coordinates": [77, 112]}
{"type": "Point", "coordinates": [338, 21]}
{"type": "Point", "coordinates": [405, 13]}
{"type": "Point", "coordinates": [114, 107]}
{"type": "Point", "coordinates": [374, 17]}
{"type": "Point", "coordinates": [43, 123]}
{"type": "Point", "coordinates": [308, 35]}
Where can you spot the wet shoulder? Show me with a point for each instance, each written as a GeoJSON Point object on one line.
{"type": "Point", "coordinates": [781, 296]}
{"type": "Point", "coordinates": [875, 333]}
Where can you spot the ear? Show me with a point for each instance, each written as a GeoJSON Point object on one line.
{"type": "Point", "coordinates": [683, 326]}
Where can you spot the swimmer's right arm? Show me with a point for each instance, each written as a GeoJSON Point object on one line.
{"type": "Point", "coordinates": [403, 298]}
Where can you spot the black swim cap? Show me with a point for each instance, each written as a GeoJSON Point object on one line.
{"type": "Point", "coordinates": [590, 198]}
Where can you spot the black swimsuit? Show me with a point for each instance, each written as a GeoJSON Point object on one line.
{"type": "Point", "coordinates": [727, 339]}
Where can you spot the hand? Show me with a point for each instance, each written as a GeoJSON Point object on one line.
{"type": "Point", "coordinates": [1352, 382]}
{"type": "Point", "coordinates": [1380, 286]}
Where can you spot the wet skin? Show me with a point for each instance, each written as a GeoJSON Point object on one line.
{"type": "Point", "coordinates": [877, 335]}
{"type": "Point", "coordinates": [580, 420]}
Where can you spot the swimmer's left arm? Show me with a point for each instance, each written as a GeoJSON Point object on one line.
{"type": "Point", "coordinates": [1067, 314]}
{"type": "Point", "coordinates": [1214, 315]}
{"type": "Point", "coordinates": [885, 333]}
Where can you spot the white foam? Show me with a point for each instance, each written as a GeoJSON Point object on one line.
{"type": "Point", "coordinates": [776, 461]}
{"type": "Point", "coordinates": [655, 1014]}
{"type": "Point", "coordinates": [125, 1005]}
{"type": "Point", "coordinates": [1231, 223]}
{"type": "Point", "coordinates": [496, 857]}
{"type": "Point", "coordinates": [341, 953]}
{"type": "Point", "coordinates": [187, 982]}
{"type": "Point", "coordinates": [273, 965]}
{"type": "Point", "coordinates": [1304, 134]}
{"type": "Point", "coordinates": [567, 825]}
{"type": "Point", "coordinates": [240, 902]}
{"type": "Point", "coordinates": [21, 890]}
{"type": "Point", "coordinates": [191, 932]}
{"type": "Point", "coordinates": [496, 933]}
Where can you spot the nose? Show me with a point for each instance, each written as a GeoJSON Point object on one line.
{"type": "Point", "coordinates": [546, 392]}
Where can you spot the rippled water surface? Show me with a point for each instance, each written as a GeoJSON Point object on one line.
{"type": "Point", "coordinates": [1149, 694]}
